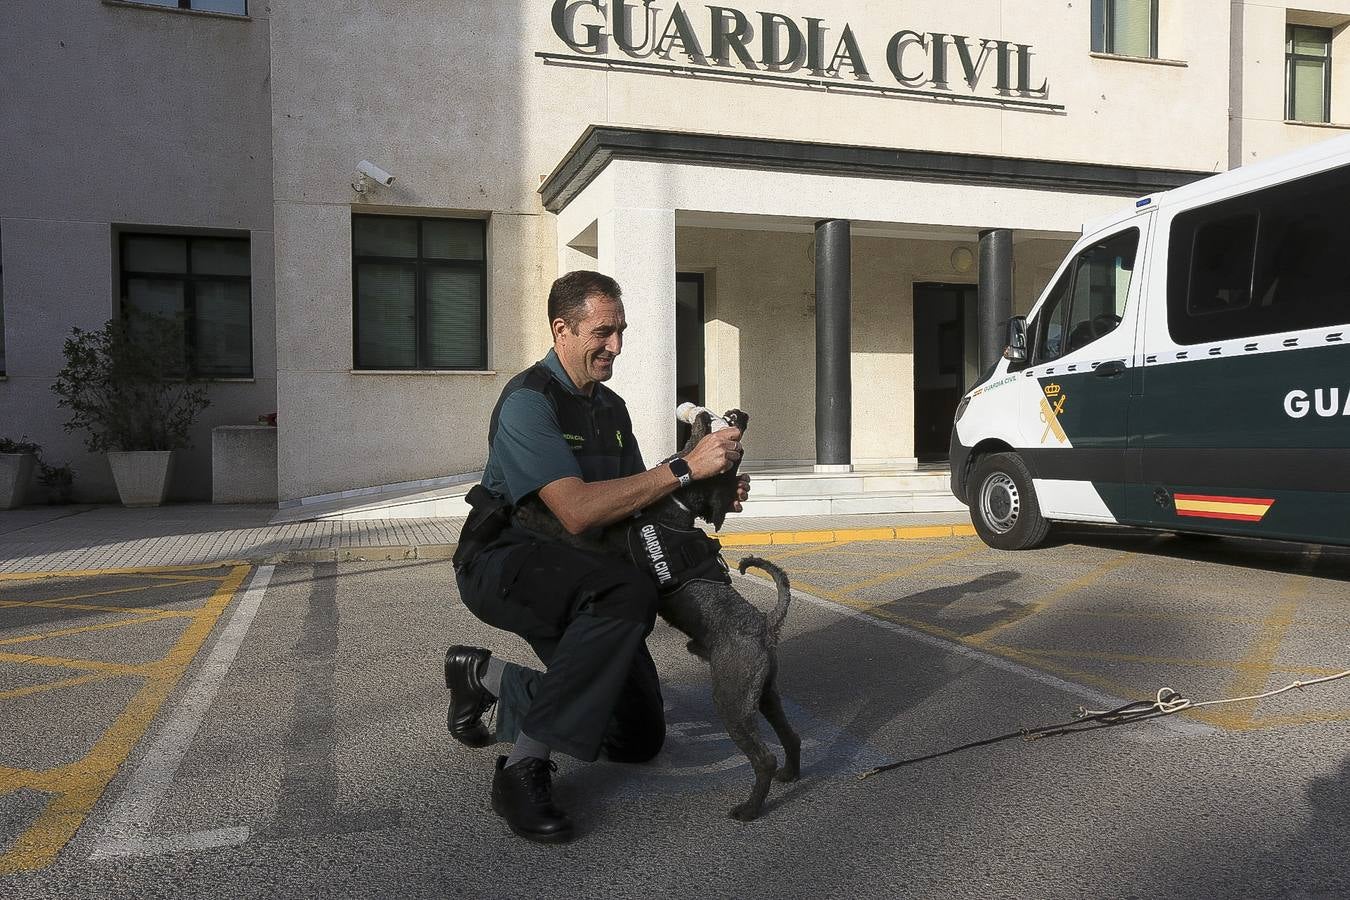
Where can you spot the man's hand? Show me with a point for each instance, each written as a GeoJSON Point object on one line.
{"type": "Point", "coordinates": [716, 453]}
{"type": "Point", "coordinates": [742, 492]}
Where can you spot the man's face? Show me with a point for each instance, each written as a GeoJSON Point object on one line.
{"type": "Point", "coordinates": [588, 355]}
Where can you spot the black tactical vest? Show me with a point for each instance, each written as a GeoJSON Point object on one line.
{"type": "Point", "coordinates": [597, 432]}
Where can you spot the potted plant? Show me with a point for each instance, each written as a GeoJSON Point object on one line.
{"type": "Point", "coordinates": [58, 480]}
{"type": "Point", "coordinates": [128, 389]}
{"type": "Point", "coordinates": [17, 459]}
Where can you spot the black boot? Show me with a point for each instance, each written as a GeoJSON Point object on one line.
{"type": "Point", "coordinates": [464, 670]}
{"type": "Point", "coordinates": [523, 796]}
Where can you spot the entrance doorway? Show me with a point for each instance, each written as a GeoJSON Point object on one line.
{"type": "Point", "coordinates": [944, 360]}
{"type": "Point", "coordinates": [688, 344]}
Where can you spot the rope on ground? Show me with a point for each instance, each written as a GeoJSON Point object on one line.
{"type": "Point", "coordinates": [1165, 703]}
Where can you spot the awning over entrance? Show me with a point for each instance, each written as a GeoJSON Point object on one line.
{"type": "Point", "coordinates": [620, 193]}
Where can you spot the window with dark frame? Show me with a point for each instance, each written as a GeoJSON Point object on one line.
{"type": "Point", "coordinates": [1088, 301]}
{"type": "Point", "coordinates": [1307, 74]}
{"type": "Point", "coordinates": [232, 7]}
{"type": "Point", "coordinates": [419, 293]}
{"type": "Point", "coordinates": [1125, 27]}
{"type": "Point", "coordinates": [1264, 263]}
{"type": "Point", "coordinates": [203, 281]}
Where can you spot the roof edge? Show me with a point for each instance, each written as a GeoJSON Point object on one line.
{"type": "Point", "coordinates": [600, 144]}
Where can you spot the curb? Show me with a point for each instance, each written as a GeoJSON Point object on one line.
{"type": "Point", "coordinates": [358, 554]}
{"type": "Point", "coordinates": [837, 536]}
{"type": "Point", "coordinates": [731, 539]}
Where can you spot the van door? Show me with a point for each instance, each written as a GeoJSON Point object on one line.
{"type": "Point", "coordinates": [1243, 409]}
{"type": "Point", "coordinates": [1074, 432]}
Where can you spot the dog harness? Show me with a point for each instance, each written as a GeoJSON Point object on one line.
{"type": "Point", "coordinates": [675, 557]}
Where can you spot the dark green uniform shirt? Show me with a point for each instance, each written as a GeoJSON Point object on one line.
{"type": "Point", "coordinates": [535, 442]}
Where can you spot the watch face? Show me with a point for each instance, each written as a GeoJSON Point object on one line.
{"type": "Point", "coordinates": [680, 468]}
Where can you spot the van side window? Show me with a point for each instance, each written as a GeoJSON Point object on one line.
{"type": "Point", "coordinates": [1222, 257]}
{"type": "Point", "coordinates": [1263, 263]}
{"type": "Point", "coordinates": [1088, 301]}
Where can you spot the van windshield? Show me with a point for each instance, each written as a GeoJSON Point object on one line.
{"type": "Point", "coordinates": [1088, 301]}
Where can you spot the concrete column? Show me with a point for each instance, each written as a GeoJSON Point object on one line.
{"type": "Point", "coordinates": [834, 383]}
{"type": "Point", "coordinates": [637, 249]}
{"type": "Point", "coordinates": [995, 293]}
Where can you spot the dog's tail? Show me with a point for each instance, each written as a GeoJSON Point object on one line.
{"type": "Point", "coordinates": [775, 619]}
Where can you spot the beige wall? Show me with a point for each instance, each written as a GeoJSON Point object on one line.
{"type": "Point", "coordinates": [118, 116]}
{"type": "Point", "coordinates": [1100, 96]}
{"type": "Point", "coordinates": [760, 333]}
{"type": "Point", "coordinates": [1259, 128]}
{"type": "Point", "coordinates": [343, 429]}
{"type": "Point", "coordinates": [456, 104]}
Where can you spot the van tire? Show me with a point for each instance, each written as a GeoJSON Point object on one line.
{"type": "Point", "coordinates": [1003, 505]}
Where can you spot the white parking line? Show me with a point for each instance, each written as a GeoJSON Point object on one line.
{"type": "Point", "coordinates": [1095, 697]}
{"type": "Point", "coordinates": [124, 832]}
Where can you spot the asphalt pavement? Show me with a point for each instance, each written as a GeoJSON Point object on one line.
{"type": "Point", "coordinates": [260, 731]}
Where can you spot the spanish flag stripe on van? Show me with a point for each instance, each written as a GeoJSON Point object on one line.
{"type": "Point", "coordinates": [1241, 509]}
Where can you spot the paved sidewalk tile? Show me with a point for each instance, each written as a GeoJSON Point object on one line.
{"type": "Point", "coordinates": [78, 538]}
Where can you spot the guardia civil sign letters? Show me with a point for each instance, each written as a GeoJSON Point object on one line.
{"type": "Point", "coordinates": [729, 41]}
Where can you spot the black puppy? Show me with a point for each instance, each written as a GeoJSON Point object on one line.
{"type": "Point", "coordinates": [736, 639]}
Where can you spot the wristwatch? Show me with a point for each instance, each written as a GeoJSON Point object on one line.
{"type": "Point", "coordinates": [680, 469]}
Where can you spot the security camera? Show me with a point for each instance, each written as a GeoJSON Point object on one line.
{"type": "Point", "coordinates": [366, 172]}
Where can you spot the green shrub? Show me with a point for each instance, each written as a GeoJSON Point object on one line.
{"type": "Point", "coordinates": [126, 385]}
{"type": "Point", "coordinates": [22, 445]}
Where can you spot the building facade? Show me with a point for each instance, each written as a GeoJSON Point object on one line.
{"type": "Point", "coordinates": [820, 213]}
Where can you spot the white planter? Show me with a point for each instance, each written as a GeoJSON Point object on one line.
{"type": "Point", "coordinates": [16, 473]}
{"type": "Point", "coordinates": [142, 476]}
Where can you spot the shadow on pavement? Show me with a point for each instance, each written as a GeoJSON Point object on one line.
{"type": "Point", "coordinates": [1285, 557]}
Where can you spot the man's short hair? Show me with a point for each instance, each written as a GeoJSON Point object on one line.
{"type": "Point", "coordinates": [567, 299]}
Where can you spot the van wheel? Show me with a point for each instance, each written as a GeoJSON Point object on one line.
{"type": "Point", "coordinates": [1003, 504]}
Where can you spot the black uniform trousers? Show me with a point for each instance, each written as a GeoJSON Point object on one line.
{"type": "Point", "coordinates": [587, 617]}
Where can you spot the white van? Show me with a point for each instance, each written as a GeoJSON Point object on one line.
{"type": "Point", "coordinates": [1187, 369]}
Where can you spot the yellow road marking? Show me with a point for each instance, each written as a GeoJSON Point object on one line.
{"type": "Point", "coordinates": [85, 665]}
{"type": "Point", "coordinates": [892, 550]}
{"type": "Point", "coordinates": [1036, 606]}
{"type": "Point", "coordinates": [844, 535]}
{"type": "Point", "coordinates": [185, 578]}
{"type": "Point", "coordinates": [1010, 653]}
{"type": "Point", "coordinates": [806, 551]}
{"type": "Point", "coordinates": [102, 626]}
{"type": "Point", "coordinates": [56, 685]}
{"type": "Point", "coordinates": [135, 589]}
{"type": "Point", "coordinates": [93, 607]}
{"type": "Point", "coordinates": [79, 785]}
{"type": "Point", "coordinates": [1095, 613]}
{"type": "Point", "coordinates": [802, 537]}
{"type": "Point", "coordinates": [920, 532]}
{"type": "Point", "coordinates": [14, 779]}
{"type": "Point", "coordinates": [884, 577]}
{"type": "Point", "coordinates": [1252, 678]}
{"type": "Point", "coordinates": [1235, 665]}
{"type": "Point", "coordinates": [849, 535]}
{"type": "Point", "coordinates": [145, 570]}
{"type": "Point", "coordinates": [1252, 672]}
{"type": "Point", "coordinates": [1340, 715]}
{"type": "Point", "coordinates": [1259, 663]}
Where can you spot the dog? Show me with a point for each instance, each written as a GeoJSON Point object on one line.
{"type": "Point", "coordinates": [736, 639]}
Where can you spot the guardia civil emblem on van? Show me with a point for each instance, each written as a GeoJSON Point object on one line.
{"type": "Point", "coordinates": [1052, 404]}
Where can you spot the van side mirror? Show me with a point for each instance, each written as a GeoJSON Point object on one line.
{"type": "Point", "coordinates": [1016, 350]}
